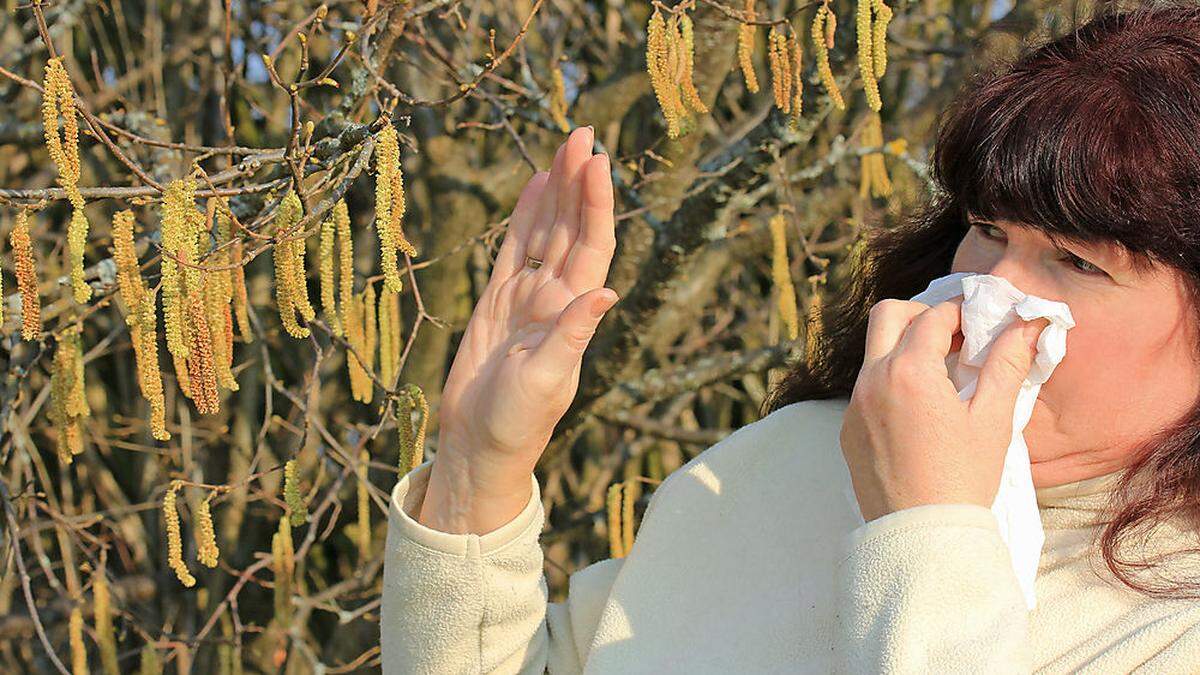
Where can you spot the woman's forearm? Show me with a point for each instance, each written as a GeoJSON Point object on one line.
{"type": "Point", "coordinates": [463, 498]}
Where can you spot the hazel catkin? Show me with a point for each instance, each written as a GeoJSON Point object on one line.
{"type": "Point", "coordinates": [178, 244]}
{"type": "Point", "coordinates": [174, 536]}
{"type": "Point", "coordinates": [58, 100]}
{"type": "Point", "coordinates": [616, 543]}
{"type": "Point", "coordinates": [206, 536]}
{"type": "Point", "coordinates": [363, 534]}
{"type": "Point", "coordinates": [781, 276]}
{"type": "Point", "coordinates": [79, 665]}
{"type": "Point", "coordinates": [297, 509]}
{"type": "Point", "coordinates": [822, 38]}
{"type": "Point", "coordinates": [291, 291]}
{"type": "Point", "coordinates": [283, 564]}
{"type": "Point", "coordinates": [141, 319]}
{"type": "Point", "coordinates": [326, 269]}
{"type": "Point", "coordinates": [745, 47]}
{"type": "Point", "coordinates": [389, 336]}
{"type": "Point", "coordinates": [866, 53]}
{"type": "Point", "coordinates": [25, 269]}
{"type": "Point", "coordinates": [67, 402]}
{"type": "Point", "coordinates": [202, 374]}
{"type": "Point", "coordinates": [102, 616]}
{"type": "Point", "coordinates": [387, 166]}
{"type": "Point", "coordinates": [412, 441]}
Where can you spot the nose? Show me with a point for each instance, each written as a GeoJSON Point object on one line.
{"type": "Point", "coordinates": [1021, 274]}
{"type": "Point", "coordinates": [1016, 272]}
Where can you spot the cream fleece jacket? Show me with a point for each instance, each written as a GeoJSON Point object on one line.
{"type": "Point", "coordinates": [748, 560]}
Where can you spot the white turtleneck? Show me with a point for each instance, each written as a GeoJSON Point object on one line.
{"type": "Point", "coordinates": [748, 559]}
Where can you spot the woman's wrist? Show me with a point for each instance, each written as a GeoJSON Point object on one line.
{"type": "Point", "coordinates": [467, 496]}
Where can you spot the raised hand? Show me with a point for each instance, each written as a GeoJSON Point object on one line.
{"type": "Point", "coordinates": [517, 367]}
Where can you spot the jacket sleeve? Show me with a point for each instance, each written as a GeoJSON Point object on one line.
{"type": "Point", "coordinates": [930, 589]}
{"type": "Point", "coordinates": [467, 603]}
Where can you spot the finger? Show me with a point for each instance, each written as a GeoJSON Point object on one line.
{"type": "Point", "coordinates": [1006, 367]}
{"type": "Point", "coordinates": [566, 216]}
{"type": "Point", "coordinates": [588, 262]}
{"type": "Point", "coordinates": [886, 325]}
{"type": "Point", "coordinates": [543, 219]}
{"type": "Point", "coordinates": [562, 349]}
{"type": "Point", "coordinates": [512, 251]}
{"type": "Point", "coordinates": [930, 336]}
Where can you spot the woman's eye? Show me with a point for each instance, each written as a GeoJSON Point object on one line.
{"type": "Point", "coordinates": [1071, 259]}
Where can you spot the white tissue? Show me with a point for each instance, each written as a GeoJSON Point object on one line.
{"type": "Point", "coordinates": [989, 304]}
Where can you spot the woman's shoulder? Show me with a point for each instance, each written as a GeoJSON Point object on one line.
{"type": "Point", "coordinates": [794, 447]}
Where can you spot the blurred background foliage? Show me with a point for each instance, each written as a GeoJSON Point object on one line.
{"type": "Point", "coordinates": [727, 232]}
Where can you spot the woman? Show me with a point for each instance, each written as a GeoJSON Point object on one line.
{"type": "Point", "coordinates": [1073, 174]}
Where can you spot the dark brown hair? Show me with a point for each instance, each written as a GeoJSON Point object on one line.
{"type": "Point", "coordinates": [1093, 137]}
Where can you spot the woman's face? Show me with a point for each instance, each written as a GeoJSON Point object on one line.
{"type": "Point", "coordinates": [1130, 367]}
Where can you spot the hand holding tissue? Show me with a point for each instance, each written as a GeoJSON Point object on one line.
{"type": "Point", "coordinates": [989, 304]}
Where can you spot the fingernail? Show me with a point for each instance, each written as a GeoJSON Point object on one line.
{"type": "Point", "coordinates": [601, 304]}
{"type": "Point", "coordinates": [1034, 328]}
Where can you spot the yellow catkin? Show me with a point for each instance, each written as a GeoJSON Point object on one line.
{"type": "Point", "coordinates": [412, 442]}
{"type": "Point", "coordinates": [686, 83]}
{"type": "Point", "coordinates": [283, 564]}
{"type": "Point", "coordinates": [67, 402]}
{"type": "Point", "coordinates": [240, 299]}
{"type": "Point", "coordinates": [363, 535]}
{"type": "Point", "coordinates": [558, 99]}
{"type": "Point", "coordinates": [627, 503]}
{"type": "Point", "coordinates": [781, 69]}
{"type": "Point", "coordinates": [813, 327]}
{"type": "Point", "coordinates": [370, 330]}
{"type": "Point", "coordinates": [874, 178]}
{"type": "Point", "coordinates": [58, 100]}
{"type": "Point", "coordinates": [219, 302]}
{"type": "Point", "coordinates": [79, 664]}
{"type": "Point", "coordinates": [616, 543]}
{"type": "Point", "coordinates": [25, 269]}
{"type": "Point", "coordinates": [102, 615]}
{"type": "Point", "coordinates": [345, 244]}
{"type": "Point", "coordinates": [297, 509]}
{"type": "Point", "coordinates": [178, 241]}
{"type": "Point", "coordinates": [745, 47]}
{"type": "Point", "coordinates": [202, 374]}
{"type": "Point", "coordinates": [290, 287]}
{"type": "Point", "coordinates": [141, 319]}
{"type": "Point", "coordinates": [206, 535]}
{"type": "Point", "coordinates": [866, 53]}
{"type": "Point", "coordinates": [674, 66]}
{"type": "Point", "coordinates": [822, 38]}
{"type": "Point", "coordinates": [174, 537]}
{"type": "Point", "coordinates": [781, 276]}
{"type": "Point", "coordinates": [657, 54]}
{"type": "Point", "coordinates": [883, 16]}
{"type": "Point", "coordinates": [353, 322]}
{"type": "Point", "coordinates": [389, 336]}
{"type": "Point", "coordinates": [399, 208]}
{"type": "Point", "coordinates": [796, 53]}
{"type": "Point", "coordinates": [387, 165]}
{"type": "Point", "coordinates": [326, 270]}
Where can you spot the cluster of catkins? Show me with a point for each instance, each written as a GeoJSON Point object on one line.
{"type": "Point", "coordinates": [669, 55]}
{"type": "Point", "coordinates": [206, 540]}
{"type": "Point", "coordinates": [670, 50]}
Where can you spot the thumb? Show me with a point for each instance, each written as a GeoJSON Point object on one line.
{"type": "Point", "coordinates": [1007, 366]}
{"type": "Point", "coordinates": [560, 352]}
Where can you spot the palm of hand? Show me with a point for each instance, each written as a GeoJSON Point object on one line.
{"type": "Point", "coordinates": [517, 367]}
